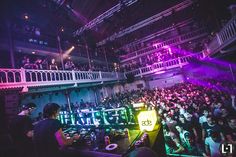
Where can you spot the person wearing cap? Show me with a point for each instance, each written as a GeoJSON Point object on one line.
{"type": "Point", "coordinates": [21, 131]}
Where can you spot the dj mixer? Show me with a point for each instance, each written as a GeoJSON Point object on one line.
{"type": "Point", "coordinates": [116, 140]}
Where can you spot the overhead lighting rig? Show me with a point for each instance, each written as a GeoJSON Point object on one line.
{"type": "Point", "coordinates": [147, 21]}
{"type": "Point", "coordinates": [105, 15]}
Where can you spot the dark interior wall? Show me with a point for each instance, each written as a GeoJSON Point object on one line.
{"type": "Point", "coordinates": [59, 97]}
{"type": "Point", "coordinates": [9, 107]}
{"type": "Point", "coordinates": [4, 59]}
{"type": "Point", "coordinates": [2, 114]}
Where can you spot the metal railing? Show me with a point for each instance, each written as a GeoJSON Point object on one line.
{"type": "Point", "coordinates": [171, 42]}
{"type": "Point", "coordinates": [225, 37]}
{"type": "Point", "coordinates": [163, 66]}
{"type": "Point", "coordinates": [24, 78]}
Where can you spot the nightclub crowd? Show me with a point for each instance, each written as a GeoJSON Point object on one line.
{"type": "Point", "coordinates": [197, 117]}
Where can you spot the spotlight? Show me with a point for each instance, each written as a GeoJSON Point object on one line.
{"type": "Point", "coordinates": [26, 17]}
{"type": "Point", "coordinates": [67, 52]}
{"type": "Point", "coordinates": [33, 52]}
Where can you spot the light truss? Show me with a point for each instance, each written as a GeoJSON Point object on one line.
{"type": "Point", "coordinates": [103, 16]}
{"type": "Point", "coordinates": [59, 2]}
{"type": "Point", "coordinates": [158, 33]}
{"type": "Point", "coordinates": [148, 21]}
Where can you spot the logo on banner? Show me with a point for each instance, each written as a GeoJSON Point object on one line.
{"type": "Point", "coordinates": [147, 120]}
{"type": "Point", "coordinates": [147, 123]}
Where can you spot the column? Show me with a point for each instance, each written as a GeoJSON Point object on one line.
{"type": "Point", "coordinates": [60, 51]}
{"type": "Point", "coordinates": [105, 55]}
{"type": "Point", "coordinates": [11, 45]}
{"type": "Point", "coordinates": [88, 56]}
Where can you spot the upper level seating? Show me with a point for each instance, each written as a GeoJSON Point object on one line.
{"type": "Point", "coordinates": [159, 46]}
{"type": "Point", "coordinates": [24, 78]}
{"type": "Point", "coordinates": [226, 36]}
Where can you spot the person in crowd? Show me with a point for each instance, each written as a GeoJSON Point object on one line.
{"type": "Point", "coordinates": [211, 126]}
{"type": "Point", "coordinates": [82, 104]}
{"type": "Point", "coordinates": [172, 135]}
{"type": "Point", "coordinates": [38, 64]}
{"type": "Point", "coordinates": [173, 147]}
{"type": "Point", "coordinates": [21, 131]}
{"type": "Point", "coordinates": [170, 122]}
{"type": "Point", "coordinates": [69, 65]}
{"type": "Point", "coordinates": [39, 117]}
{"type": "Point", "coordinates": [45, 64]}
{"type": "Point", "coordinates": [217, 109]}
{"type": "Point", "coordinates": [233, 102]}
{"type": "Point", "coordinates": [182, 121]}
{"type": "Point", "coordinates": [230, 130]}
{"type": "Point", "coordinates": [182, 133]}
{"type": "Point", "coordinates": [190, 146]}
{"type": "Point", "coordinates": [203, 118]}
{"type": "Point", "coordinates": [77, 105]}
{"type": "Point", "coordinates": [191, 124]}
{"type": "Point", "coordinates": [53, 65]}
{"type": "Point", "coordinates": [48, 136]}
{"type": "Point", "coordinates": [212, 144]}
{"type": "Point", "coordinates": [26, 63]}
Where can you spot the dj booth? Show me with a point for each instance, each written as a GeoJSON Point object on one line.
{"type": "Point", "coordinates": [114, 132]}
{"type": "Point", "coordinates": [90, 117]}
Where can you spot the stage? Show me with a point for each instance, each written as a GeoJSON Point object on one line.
{"type": "Point", "coordinates": [126, 141]}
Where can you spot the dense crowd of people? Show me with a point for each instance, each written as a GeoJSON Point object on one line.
{"type": "Point", "coordinates": [196, 119]}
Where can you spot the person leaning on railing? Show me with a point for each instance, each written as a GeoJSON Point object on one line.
{"type": "Point", "coordinates": [53, 65]}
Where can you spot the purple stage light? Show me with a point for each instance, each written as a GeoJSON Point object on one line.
{"type": "Point", "coordinates": [80, 16]}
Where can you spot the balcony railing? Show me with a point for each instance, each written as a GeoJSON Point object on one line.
{"type": "Point", "coordinates": [163, 66]}
{"type": "Point", "coordinates": [225, 37]}
{"type": "Point", "coordinates": [25, 78]}
{"type": "Point", "coordinates": [172, 42]}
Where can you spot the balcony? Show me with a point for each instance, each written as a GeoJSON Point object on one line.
{"type": "Point", "coordinates": [171, 42]}
{"type": "Point", "coordinates": [224, 38]}
{"type": "Point", "coordinates": [161, 67]}
{"type": "Point", "coordinates": [26, 78]}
